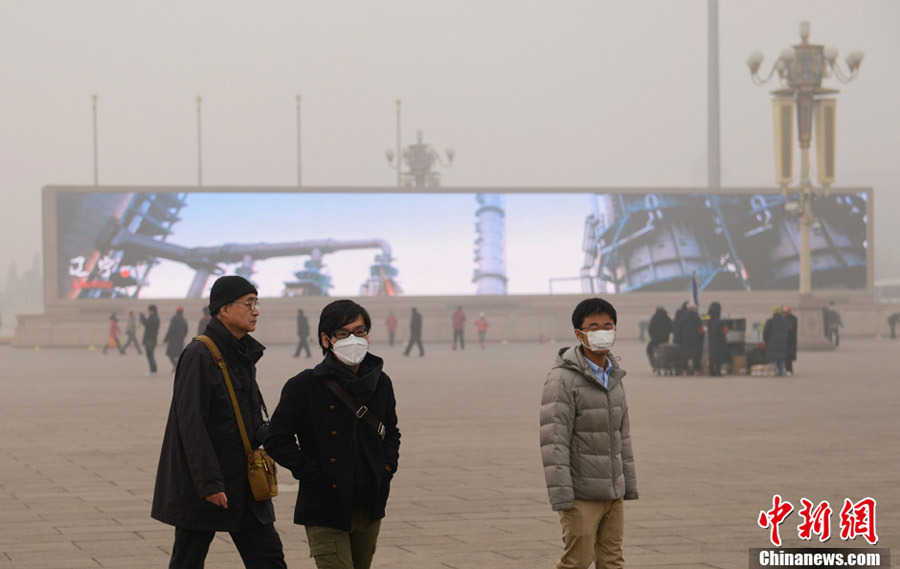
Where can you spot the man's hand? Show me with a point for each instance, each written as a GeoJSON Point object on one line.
{"type": "Point", "coordinates": [218, 499]}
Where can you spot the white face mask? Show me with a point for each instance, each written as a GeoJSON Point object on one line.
{"type": "Point", "coordinates": [351, 350]}
{"type": "Point", "coordinates": [601, 340]}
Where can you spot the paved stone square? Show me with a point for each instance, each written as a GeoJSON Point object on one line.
{"type": "Point", "coordinates": [81, 435]}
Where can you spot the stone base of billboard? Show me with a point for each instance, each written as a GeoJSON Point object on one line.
{"type": "Point", "coordinates": [513, 318]}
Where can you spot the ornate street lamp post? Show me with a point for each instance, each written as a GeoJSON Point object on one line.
{"type": "Point", "coordinates": [421, 159]}
{"type": "Point", "coordinates": [801, 69]}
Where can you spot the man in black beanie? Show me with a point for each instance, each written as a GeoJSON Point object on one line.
{"type": "Point", "coordinates": [201, 481]}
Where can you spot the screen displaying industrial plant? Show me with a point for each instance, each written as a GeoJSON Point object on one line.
{"type": "Point", "coordinates": [167, 244]}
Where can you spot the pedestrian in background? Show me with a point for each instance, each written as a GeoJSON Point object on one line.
{"type": "Point", "coordinates": [175, 335]}
{"type": "Point", "coordinates": [833, 324]}
{"type": "Point", "coordinates": [718, 340]}
{"type": "Point", "coordinates": [689, 331]}
{"type": "Point", "coordinates": [112, 338]}
{"type": "Point", "coordinates": [893, 322]}
{"type": "Point", "coordinates": [676, 323]}
{"type": "Point", "coordinates": [131, 333]}
{"type": "Point", "coordinates": [204, 320]}
{"type": "Point", "coordinates": [302, 333]}
{"type": "Point", "coordinates": [660, 328]}
{"type": "Point", "coordinates": [390, 324]}
{"type": "Point", "coordinates": [415, 333]}
{"type": "Point", "coordinates": [482, 325]}
{"type": "Point", "coordinates": [459, 327]}
{"type": "Point", "coordinates": [791, 355]}
{"type": "Point", "coordinates": [151, 333]}
{"type": "Point", "coordinates": [775, 336]}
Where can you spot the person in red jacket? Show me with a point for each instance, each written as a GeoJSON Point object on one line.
{"type": "Point", "coordinates": [113, 336]}
{"type": "Point", "coordinates": [391, 324]}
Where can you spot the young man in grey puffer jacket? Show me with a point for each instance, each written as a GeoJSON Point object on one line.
{"type": "Point", "coordinates": [586, 442]}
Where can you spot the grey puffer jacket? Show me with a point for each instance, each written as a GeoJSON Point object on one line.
{"type": "Point", "coordinates": [585, 438]}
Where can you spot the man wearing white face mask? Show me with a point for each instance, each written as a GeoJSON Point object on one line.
{"type": "Point", "coordinates": [335, 429]}
{"type": "Point", "coordinates": [586, 442]}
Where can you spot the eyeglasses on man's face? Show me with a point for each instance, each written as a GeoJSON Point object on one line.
{"type": "Point", "coordinates": [251, 303]}
{"type": "Point", "coordinates": [362, 331]}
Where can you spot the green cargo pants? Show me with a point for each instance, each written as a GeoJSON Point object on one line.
{"type": "Point", "coordinates": [337, 549]}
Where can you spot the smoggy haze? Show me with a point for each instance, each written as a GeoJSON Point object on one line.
{"type": "Point", "coordinates": [528, 93]}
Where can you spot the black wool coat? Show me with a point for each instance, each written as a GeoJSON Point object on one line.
{"type": "Point", "coordinates": [178, 329]}
{"type": "Point", "coordinates": [690, 333]}
{"type": "Point", "coordinates": [775, 335]}
{"type": "Point", "coordinates": [660, 327]}
{"type": "Point", "coordinates": [792, 337]}
{"type": "Point", "coordinates": [322, 455]}
{"type": "Point", "coordinates": [202, 451]}
{"type": "Point", "coordinates": [151, 329]}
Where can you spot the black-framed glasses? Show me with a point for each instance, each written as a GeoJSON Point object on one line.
{"type": "Point", "coordinates": [251, 303]}
{"type": "Point", "coordinates": [607, 328]}
{"type": "Point", "coordinates": [361, 332]}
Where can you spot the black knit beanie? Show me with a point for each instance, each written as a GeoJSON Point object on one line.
{"type": "Point", "coordinates": [228, 289]}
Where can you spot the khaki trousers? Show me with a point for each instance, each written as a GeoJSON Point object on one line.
{"type": "Point", "coordinates": [337, 549]}
{"type": "Point", "coordinates": [593, 531]}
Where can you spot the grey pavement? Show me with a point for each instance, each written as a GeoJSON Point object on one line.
{"type": "Point", "coordinates": [81, 434]}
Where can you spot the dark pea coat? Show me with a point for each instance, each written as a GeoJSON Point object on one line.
{"type": "Point", "coordinates": [202, 451]}
{"type": "Point", "coordinates": [313, 434]}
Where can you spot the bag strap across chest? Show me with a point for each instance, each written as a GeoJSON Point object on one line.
{"type": "Point", "coordinates": [361, 411]}
{"type": "Point", "coordinates": [220, 361]}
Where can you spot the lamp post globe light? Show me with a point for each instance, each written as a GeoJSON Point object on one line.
{"type": "Point", "coordinates": [801, 69]}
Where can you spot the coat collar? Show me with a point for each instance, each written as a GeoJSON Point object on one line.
{"type": "Point", "coordinates": [573, 358]}
{"type": "Point", "coordinates": [247, 346]}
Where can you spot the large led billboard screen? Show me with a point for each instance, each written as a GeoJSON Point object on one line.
{"type": "Point", "coordinates": [171, 243]}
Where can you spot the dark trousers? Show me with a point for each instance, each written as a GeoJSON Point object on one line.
{"type": "Point", "coordinates": [303, 345]}
{"type": "Point", "coordinates": [691, 363]}
{"type": "Point", "coordinates": [415, 340]}
{"type": "Point", "coordinates": [392, 334]}
{"type": "Point", "coordinates": [132, 339]}
{"type": "Point", "coordinates": [458, 335]}
{"type": "Point", "coordinates": [150, 359]}
{"type": "Point", "coordinates": [259, 545]}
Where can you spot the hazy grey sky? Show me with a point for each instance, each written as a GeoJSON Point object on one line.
{"type": "Point", "coordinates": [577, 93]}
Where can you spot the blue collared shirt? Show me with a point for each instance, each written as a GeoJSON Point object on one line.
{"type": "Point", "coordinates": [602, 375]}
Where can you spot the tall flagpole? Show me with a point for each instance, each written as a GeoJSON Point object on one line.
{"type": "Point", "coordinates": [299, 156]}
{"type": "Point", "coordinates": [94, 97]}
{"type": "Point", "coordinates": [714, 175]}
{"type": "Point", "coordinates": [399, 151]}
{"type": "Point", "coordinates": [199, 141]}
